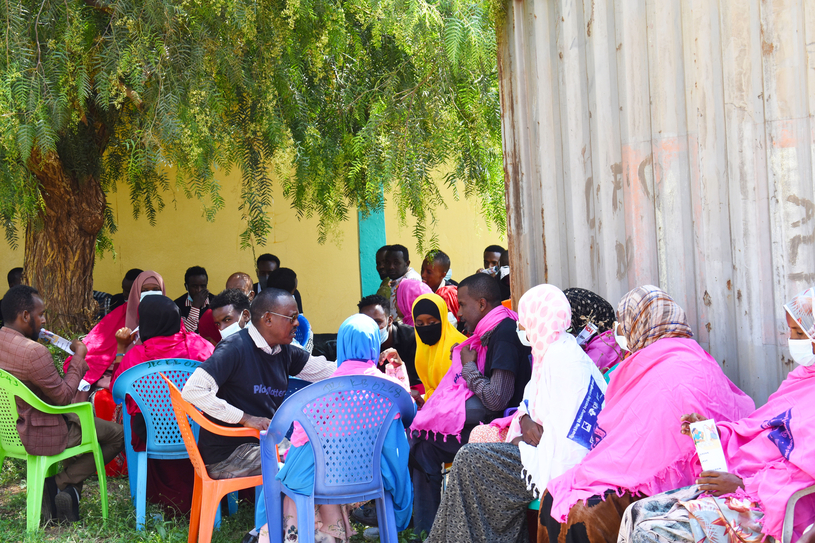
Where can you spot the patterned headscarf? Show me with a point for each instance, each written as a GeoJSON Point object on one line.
{"type": "Point", "coordinates": [800, 309]}
{"type": "Point", "coordinates": [647, 314]}
{"type": "Point", "coordinates": [545, 314]}
{"type": "Point", "coordinates": [589, 307]}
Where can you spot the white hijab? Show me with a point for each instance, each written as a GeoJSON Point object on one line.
{"type": "Point", "coordinates": [564, 395]}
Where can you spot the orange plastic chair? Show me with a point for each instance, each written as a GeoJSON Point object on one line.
{"type": "Point", "coordinates": [207, 492]}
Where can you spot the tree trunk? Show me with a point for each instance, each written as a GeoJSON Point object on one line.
{"type": "Point", "coordinates": [60, 244]}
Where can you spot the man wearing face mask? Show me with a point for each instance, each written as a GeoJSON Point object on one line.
{"type": "Point", "coordinates": [207, 327]}
{"type": "Point", "coordinates": [393, 336]}
{"type": "Point", "coordinates": [230, 310]}
{"type": "Point", "coordinates": [43, 434]}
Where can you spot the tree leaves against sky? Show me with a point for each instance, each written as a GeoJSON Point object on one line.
{"type": "Point", "coordinates": [340, 100]}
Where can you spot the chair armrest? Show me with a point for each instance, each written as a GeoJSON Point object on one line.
{"type": "Point", "coordinates": [82, 409]}
{"type": "Point", "coordinates": [786, 534]}
{"type": "Point", "coordinates": [216, 428]}
{"type": "Point", "coordinates": [233, 432]}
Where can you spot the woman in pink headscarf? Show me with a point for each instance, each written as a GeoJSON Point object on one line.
{"type": "Point", "coordinates": [103, 354]}
{"type": "Point", "coordinates": [770, 455]}
{"type": "Point", "coordinates": [636, 449]}
{"type": "Point", "coordinates": [101, 340]}
{"type": "Point", "coordinates": [162, 334]}
{"type": "Point", "coordinates": [406, 294]}
{"type": "Point", "coordinates": [491, 484]}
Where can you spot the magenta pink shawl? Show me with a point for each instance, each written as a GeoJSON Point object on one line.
{"type": "Point", "coordinates": [101, 343]}
{"type": "Point", "coordinates": [180, 345]}
{"type": "Point", "coordinates": [406, 294]}
{"type": "Point", "coordinates": [603, 350]}
{"type": "Point", "coordinates": [444, 412]}
{"type": "Point", "coordinates": [637, 444]}
{"type": "Point", "coordinates": [773, 451]}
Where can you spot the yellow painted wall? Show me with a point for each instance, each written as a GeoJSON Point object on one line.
{"type": "Point", "coordinates": [328, 274]}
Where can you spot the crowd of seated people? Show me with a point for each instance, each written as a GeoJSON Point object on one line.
{"type": "Point", "coordinates": [570, 403]}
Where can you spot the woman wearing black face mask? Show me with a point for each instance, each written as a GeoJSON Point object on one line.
{"type": "Point", "coordinates": [435, 337]}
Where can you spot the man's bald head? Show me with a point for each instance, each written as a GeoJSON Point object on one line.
{"type": "Point", "coordinates": [242, 282]}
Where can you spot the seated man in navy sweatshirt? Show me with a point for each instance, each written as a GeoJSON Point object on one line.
{"type": "Point", "coordinates": [245, 381]}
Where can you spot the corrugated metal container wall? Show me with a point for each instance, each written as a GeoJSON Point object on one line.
{"type": "Point", "coordinates": [667, 142]}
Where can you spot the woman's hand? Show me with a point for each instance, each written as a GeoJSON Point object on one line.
{"type": "Point", "coordinates": [390, 356]}
{"type": "Point", "coordinates": [689, 419]}
{"type": "Point", "coordinates": [124, 337]}
{"type": "Point", "coordinates": [417, 398]}
{"type": "Point", "coordinates": [532, 431]}
{"type": "Point", "coordinates": [719, 483]}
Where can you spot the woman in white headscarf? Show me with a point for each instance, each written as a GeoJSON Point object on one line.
{"type": "Point", "coordinates": [491, 484]}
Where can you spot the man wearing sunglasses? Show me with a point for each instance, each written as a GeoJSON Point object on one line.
{"type": "Point", "coordinates": [245, 381]}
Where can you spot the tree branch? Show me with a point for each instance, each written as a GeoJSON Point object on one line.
{"type": "Point", "coordinates": [96, 5]}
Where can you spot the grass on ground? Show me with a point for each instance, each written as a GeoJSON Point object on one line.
{"type": "Point", "coordinates": [121, 522]}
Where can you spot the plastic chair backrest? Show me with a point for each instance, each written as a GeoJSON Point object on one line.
{"type": "Point", "coordinates": [295, 384]}
{"type": "Point", "coordinates": [181, 407]}
{"type": "Point", "coordinates": [144, 384]}
{"type": "Point", "coordinates": [303, 332]}
{"type": "Point", "coordinates": [349, 417]}
{"type": "Point", "coordinates": [10, 387]}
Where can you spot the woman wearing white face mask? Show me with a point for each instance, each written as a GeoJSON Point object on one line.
{"type": "Point", "coordinates": [770, 455]}
{"type": "Point", "coordinates": [103, 352]}
{"type": "Point", "coordinates": [101, 340]}
{"type": "Point", "coordinates": [491, 484]}
{"type": "Point", "coordinates": [169, 482]}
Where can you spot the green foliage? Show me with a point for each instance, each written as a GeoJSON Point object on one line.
{"type": "Point", "coordinates": [342, 100]}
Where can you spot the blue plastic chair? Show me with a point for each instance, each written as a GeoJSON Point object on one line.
{"type": "Point", "coordinates": [304, 336]}
{"type": "Point", "coordinates": [347, 462]}
{"type": "Point", "coordinates": [146, 387]}
{"type": "Point", "coordinates": [295, 385]}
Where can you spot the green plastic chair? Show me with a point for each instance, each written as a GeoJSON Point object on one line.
{"type": "Point", "coordinates": [39, 467]}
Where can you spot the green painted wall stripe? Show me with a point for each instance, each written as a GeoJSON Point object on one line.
{"type": "Point", "coordinates": [371, 238]}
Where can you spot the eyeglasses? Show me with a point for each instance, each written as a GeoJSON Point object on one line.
{"type": "Point", "coordinates": [290, 318]}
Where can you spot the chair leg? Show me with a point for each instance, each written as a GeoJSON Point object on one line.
{"type": "Point", "coordinates": [140, 500]}
{"type": "Point", "coordinates": [260, 507]}
{"type": "Point", "coordinates": [130, 454]}
{"type": "Point", "coordinates": [195, 513]}
{"type": "Point", "coordinates": [387, 524]}
{"type": "Point", "coordinates": [274, 510]}
{"type": "Point", "coordinates": [209, 503]}
{"type": "Point", "coordinates": [305, 518]}
{"type": "Point", "coordinates": [103, 480]}
{"type": "Point", "coordinates": [35, 479]}
{"type": "Point", "coordinates": [232, 502]}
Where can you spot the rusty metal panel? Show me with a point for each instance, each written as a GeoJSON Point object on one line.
{"type": "Point", "coordinates": [668, 142]}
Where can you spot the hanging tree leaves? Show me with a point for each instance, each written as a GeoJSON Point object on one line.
{"type": "Point", "coordinates": [341, 100]}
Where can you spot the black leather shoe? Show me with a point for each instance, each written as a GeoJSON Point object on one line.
{"type": "Point", "coordinates": [365, 515]}
{"type": "Point", "coordinates": [67, 502]}
{"type": "Point", "coordinates": [250, 538]}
